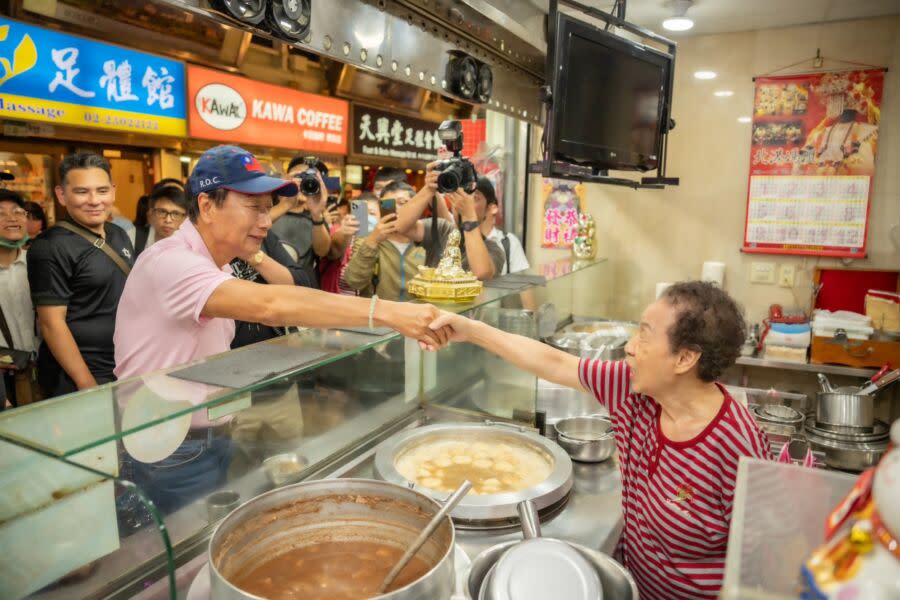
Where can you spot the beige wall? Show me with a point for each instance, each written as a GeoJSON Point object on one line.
{"type": "Point", "coordinates": [651, 236]}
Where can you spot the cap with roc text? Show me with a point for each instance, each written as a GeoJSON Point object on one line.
{"type": "Point", "coordinates": [237, 170]}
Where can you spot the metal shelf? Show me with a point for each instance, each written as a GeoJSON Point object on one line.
{"type": "Point", "coordinates": [749, 361]}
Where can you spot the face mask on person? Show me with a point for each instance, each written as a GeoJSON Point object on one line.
{"type": "Point", "coordinates": [373, 221]}
{"type": "Point", "coordinates": [14, 245]}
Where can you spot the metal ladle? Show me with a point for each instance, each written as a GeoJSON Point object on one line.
{"type": "Point", "coordinates": [430, 528]}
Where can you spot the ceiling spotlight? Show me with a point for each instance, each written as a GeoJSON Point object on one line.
{"type": "Point", "coordinates": [723, 93]}
{"type": "Point", "coordinates": [705, 75]}
{"type": "Point", "coordinates": [678, 21]}
{"type": "Point", "coordinates": [744, 119]}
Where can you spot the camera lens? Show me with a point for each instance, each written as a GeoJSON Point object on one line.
{"type": "Point", "coordinates": [448, 181]}
{"type": "Point", "coordinates": [309, 184]}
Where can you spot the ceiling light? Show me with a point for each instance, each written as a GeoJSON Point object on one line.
{"type": "Point", "coordinates": [705, 74]}
{"type": "Point", "coordinates": [678, 21]}
{"type": "Point", "coordinates": [744, 119]}
{"type": "Point", "coordinates": [723, 93]}
{"type": "Point", "coordinates": [678, 24]}
{"type": "Point", "coordinates": [185, 159]}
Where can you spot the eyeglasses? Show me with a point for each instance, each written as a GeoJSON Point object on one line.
{"type": "Point", "coordinates": [17, 213]}
{"type": "Point", "coordinates": [163, 214]}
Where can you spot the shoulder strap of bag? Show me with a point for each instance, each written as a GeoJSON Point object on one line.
{"type": "Point", "coordinates": [99, 243]}
{"type": "Point", "coordinates": [4, 327]}
{"type": "Point", "coordinates": [140, 239]}
{"type": "Point", "coordinates": [505, 242]}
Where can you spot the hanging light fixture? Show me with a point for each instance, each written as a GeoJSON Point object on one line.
{"type": "Point", "coordinates": [679, 21]}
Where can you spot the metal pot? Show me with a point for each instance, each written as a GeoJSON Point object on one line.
{"type": "Point", "coordinates": [586, 439]}
{"type": "Point", "coordinates": [844, 407]}
{"type": "Point", "coordinates": [331, 510]}
{"type": "Point", "coordinates": [615, 581]}
{"type": "Point", "coordinates": [848, 449]}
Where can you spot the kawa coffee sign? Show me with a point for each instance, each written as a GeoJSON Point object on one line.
{"type": "Point", "coordinates": [237, 110]}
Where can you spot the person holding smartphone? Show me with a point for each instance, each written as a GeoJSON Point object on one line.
{"type": "Point", "coordinates": [384, 261]}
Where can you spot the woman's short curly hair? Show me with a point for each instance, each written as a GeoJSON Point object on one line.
{"type": "Point", "coordinates": [710, 322]}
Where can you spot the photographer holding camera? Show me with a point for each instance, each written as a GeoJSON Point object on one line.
{"type": "Point", "coordinates": [456, 179]}
{"type": "Point", "coordinates": [301, 221]}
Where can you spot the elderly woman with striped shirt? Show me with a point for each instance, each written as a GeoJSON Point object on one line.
{"type": "Point", "coordinates": [679, 434]}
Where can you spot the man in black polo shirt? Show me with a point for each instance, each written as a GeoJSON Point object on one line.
{"type": "Point", "coordinates": [77, 271]}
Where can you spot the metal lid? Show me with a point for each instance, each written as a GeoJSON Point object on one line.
{"type": "Point", "coordinates": [542, 568]}
{"type": "Point", "coordinates": [482, 510]}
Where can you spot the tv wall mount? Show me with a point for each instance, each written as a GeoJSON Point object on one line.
{"type": "Point", "coordinates": [587, 174]}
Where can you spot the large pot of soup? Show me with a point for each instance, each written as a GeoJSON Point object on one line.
{"type": "Point", "coordinates": [333, 539]}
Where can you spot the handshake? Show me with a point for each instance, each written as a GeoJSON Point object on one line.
{"type": "Point", "coordinates": [432, 328]}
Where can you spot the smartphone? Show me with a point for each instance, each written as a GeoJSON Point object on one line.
{"type": "Point", "coordinates": [388, 207]}
{"type": "Point", "coordinates": [360, 210]}
{"type": "Point", "coordinates": [331, 203]}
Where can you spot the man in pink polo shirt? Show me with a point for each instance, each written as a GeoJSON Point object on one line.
{"type": "Point", "coordinates": [180, 304]}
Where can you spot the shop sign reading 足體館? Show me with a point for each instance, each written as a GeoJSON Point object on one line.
{"type": "Point", "coordinates": [69, 80]}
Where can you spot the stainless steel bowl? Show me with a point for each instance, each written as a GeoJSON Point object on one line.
{"type": "Point", "coordinates": [332, 510]}
{"type": "Point", "coordinates": [283, 469]}
{"type": "Point", "coordinates": [586, 439]}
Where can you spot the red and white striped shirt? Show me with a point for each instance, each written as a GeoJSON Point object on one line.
{"type": "Point", "coordinates": [676, 496]}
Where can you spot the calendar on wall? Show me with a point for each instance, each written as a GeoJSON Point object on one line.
{"type": "Point", "coordinates": [814, 141]}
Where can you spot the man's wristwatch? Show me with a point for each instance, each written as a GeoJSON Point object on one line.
{"type": "Point", "coordinates": [257, 259]}
{"type": "Point", "coordinates": [317, 223]}
{"type": "Point", "coordinates": [468, 226]}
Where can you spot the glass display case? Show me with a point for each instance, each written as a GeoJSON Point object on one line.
{"type": "Point", "coordinates": [107, 492]}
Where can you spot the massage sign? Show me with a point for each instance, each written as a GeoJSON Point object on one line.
{"type": "Point", "coordinates": [236, 110]}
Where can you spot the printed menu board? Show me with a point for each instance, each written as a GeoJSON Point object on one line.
{"type": "Point", "coordinates": [814, 141]}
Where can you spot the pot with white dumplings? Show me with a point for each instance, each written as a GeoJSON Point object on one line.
{"type": "Point", "coordinates": [505, 463]}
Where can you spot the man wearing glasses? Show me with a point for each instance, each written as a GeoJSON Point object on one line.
{"type": "Point", "coordinates": [167, 210]}
{"type": "Point", "coordinates": [16, 313]}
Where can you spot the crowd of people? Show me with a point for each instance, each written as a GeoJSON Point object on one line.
{"type": "Point", "coordinates": [88, 300]}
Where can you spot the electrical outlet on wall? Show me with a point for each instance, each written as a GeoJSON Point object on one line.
{"type": "Point", "coordinates": [786, 276]}
{"type": "Point", "coordinates": [762, 272]}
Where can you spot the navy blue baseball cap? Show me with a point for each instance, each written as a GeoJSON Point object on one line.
{"type": "Point", "coordinates": [236, 170]}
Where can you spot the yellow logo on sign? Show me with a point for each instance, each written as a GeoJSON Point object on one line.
{"type": "Point", "coordinates": [23, 59]}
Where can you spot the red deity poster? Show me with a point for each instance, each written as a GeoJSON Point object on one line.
{"type": "Point", "coordinates": [563, 202]}
{"type": "Point", "coordinates": [812, 160]}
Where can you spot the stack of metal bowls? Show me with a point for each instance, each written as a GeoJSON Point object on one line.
{"type": "Point", "coordinates": [845, 429]}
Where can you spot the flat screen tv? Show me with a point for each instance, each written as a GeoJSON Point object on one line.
{"type": "Point", "coordinates": [610, 102]}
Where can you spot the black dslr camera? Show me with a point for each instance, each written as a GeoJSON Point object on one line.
{"type": "Point", "coordinates": [457, 172]}
{"type": "Point", "coordinates": [308, 180]}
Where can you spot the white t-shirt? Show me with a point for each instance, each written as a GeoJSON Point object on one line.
{"type": "Point", "coordinates": [400, 246]}
{"type": "Point", "coordinates": [516, 260]}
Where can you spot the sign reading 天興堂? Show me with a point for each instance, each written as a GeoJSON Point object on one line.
{"type": "Point", "coordinates": [69, 80]}
{"type": "Point", "coordinates": [388, 135]}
